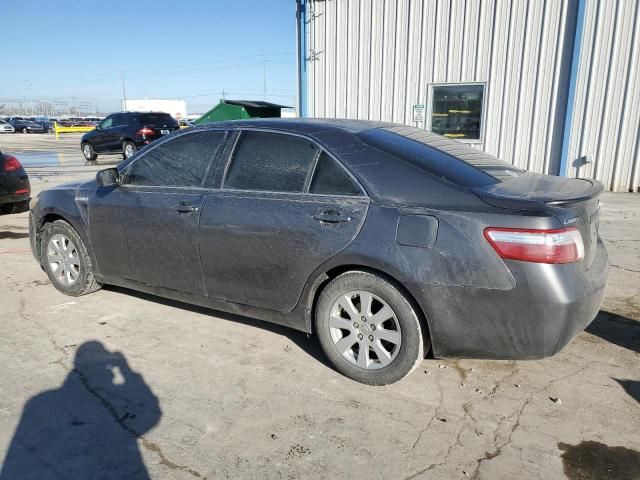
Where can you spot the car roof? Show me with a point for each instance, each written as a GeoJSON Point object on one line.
{"type": "Point", "coordinates": [303, 125]}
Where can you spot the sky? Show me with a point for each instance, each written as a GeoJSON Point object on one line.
{"type": "Point", "coordinates": [76, 51]}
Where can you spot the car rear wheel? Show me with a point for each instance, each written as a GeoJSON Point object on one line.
{"type": "Point", "coordinates": [128, 149]}
{"type": "Point", "coordinates": [66, 260]}
{"type": "Point", "coordinates": [24, 130]}
{"type": "Point", "coordinates": [88, 152]}
{"type": "Point", "coordinates": [369, 329]}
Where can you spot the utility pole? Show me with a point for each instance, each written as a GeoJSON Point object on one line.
{"type": "Point", "coordinates": [264, 79]}
{"type": "Point", "coordinates": [124, 92]}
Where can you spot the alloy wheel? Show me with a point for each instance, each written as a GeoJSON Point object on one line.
{"type": "Point", "coordinates": [365, 330]}
{"type": "Point", "coordinates": [129, 150]}
{"type": "Point", "coordinates": [64, 259]}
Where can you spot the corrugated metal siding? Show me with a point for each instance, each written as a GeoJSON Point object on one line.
{"type": "Point", "coordinates": [606, 116]}
{"type": "Point", "coordinates": [375, 59]}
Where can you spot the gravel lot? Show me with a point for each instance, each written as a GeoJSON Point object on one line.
{"type": "Point", "coordinates": [212, 395]}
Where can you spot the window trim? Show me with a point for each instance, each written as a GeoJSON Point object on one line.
{"type": "Point", "coordinates": [158, 143]}
{"type": "Point", "coordinates": [310, 175]}
{"type": "Point", "coordinates": [483, 111]}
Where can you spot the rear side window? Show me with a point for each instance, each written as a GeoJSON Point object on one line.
{"type": "Point", "coordinates": [181, 162]}
{"type": "Point", "coordinates": [271, 162]}
{"type": "Point", "coordinates": [157, 120]}
{"type": "Point", "coordinates": [330, 179]}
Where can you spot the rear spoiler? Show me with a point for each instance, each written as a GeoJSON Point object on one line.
{"type": "Point", "coordinates": [533, 190]}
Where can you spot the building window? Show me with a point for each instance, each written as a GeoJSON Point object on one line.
{"type": "Point", "coordinates": [456, 110]}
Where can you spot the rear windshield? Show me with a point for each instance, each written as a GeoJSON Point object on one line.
{"type": "Point", "coordinates": [440, 156]}
{"type": "Point", "coordinates": [157, 120]}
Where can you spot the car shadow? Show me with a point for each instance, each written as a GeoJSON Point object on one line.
{"type": "Point", "coordinates": [89, 427]}
{"type": "Point", "coordinates": [616, 329]}
{"type": "Point", "coordinates": [307, 343]}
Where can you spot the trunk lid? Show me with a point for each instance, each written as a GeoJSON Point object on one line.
{"type": "Point", "coordinates": [573, 201]}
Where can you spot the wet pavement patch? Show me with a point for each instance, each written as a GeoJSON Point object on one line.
{"type": "Point", "coordinates": [591, 460]}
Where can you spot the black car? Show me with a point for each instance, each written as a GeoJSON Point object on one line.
{"type": "Point", "coordinates": [23, 125]}
{"type": "Point", "coordinates": [14, 186]}
{"type": "Point", "coordinates": [126, 132]}
{"type": "Point", "coordinates": [384, 240]}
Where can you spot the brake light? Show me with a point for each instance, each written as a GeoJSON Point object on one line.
{"type": "Point", "coordinates": [541, 246]}
{"type": "Point", "coordinates": [146, 131]}
{"type": "Point", "coordinates": [11, 163]}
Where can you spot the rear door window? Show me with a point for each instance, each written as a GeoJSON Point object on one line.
{"type": "Point", "coordinates": [272, 162]}
{"type": "Point", "coordinates": [329, 178]}
{"type": "Point", "coordinates": [157, 120]}
{"type": "Point", "coordinates": [180, 162]}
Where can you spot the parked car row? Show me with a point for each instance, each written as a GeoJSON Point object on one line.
{"type": "Point", "coordinates": [43, 124]}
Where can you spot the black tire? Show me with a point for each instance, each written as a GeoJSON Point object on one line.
{"type": "Point", "coordinates": [25, 130]}
{"type": "Point", "coordinates": [86, 282]}
{"type": "Point", "coordinates": [128, 145]}
{"type": "Point", "coordinates": [414, 337]}
{"type": "Point", "coordinates": [88, 152]}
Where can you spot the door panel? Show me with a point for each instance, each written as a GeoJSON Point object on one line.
{"type": "Point", "coordinates": [260, 248]}
{"type": "Point", "coordinates": [148, 234]}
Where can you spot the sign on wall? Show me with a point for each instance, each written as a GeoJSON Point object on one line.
{"type": "Point", "coordinates": [418, 113]}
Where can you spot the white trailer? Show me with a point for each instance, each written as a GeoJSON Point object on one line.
{"type": "Point", "coordinates": [176, 108]}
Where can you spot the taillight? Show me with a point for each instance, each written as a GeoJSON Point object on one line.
{"type": "Point", "coordinates": [146, 131]}
{"type": "Point", "coordinates": [11, 163]}
{"type": "Point", "coordinates": [540, 246]}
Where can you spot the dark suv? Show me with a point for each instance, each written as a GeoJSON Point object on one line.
{"type": "Point", "coordinates": [126, 132]}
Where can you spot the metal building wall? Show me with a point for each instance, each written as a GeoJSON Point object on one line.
{"type": "Point", "coordinates": [375, 59]}
{"type": "Point", "coordinates": [606, 114]}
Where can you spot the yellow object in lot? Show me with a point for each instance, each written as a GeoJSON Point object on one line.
{"type": "Point", "coordinates": [60, 129]}
{"type": "Point", "coordinates": [455, 135]}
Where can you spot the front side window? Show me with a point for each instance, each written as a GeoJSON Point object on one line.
{"type": "Point", "coordinates": [456, 111]}
{"type": "Point", "coordinates": [180, 162]}
{"type": "Point", "coordinates": [106, 123]}
{"type": "Point", "coordinates": [272, 162]}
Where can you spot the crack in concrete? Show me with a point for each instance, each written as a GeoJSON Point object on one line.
{"type": "Point", "coordinates": [433, 418]}
{"type": "Point", "coordinates": [625, 269]}
{"type": "Point", "coordinates": [498, 450]}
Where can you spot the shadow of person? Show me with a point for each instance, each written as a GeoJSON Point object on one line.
{"type": "Point", "coordinates": [87, 428]}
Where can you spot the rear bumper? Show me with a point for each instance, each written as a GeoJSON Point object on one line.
{"type": "Point", "coordinates": [547, 308]}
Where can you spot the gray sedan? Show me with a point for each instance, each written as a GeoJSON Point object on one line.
{"type": "Point", "coordinates": [386, 241]}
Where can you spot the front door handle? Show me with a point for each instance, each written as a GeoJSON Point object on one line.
{"type": "Point", "coordinates": [330, 216]}
{"type": "Point", "coordinates": [184, 207]}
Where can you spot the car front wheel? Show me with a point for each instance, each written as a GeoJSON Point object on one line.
{"type": "Point", "coordinates": [369, 329]}
{"type": "Point", "coordinates": [66, 261]}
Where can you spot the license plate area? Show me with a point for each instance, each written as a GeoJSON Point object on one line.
{"type": "Point", "coordinates": [164, 132]}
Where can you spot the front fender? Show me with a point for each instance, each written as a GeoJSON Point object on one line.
{"type": "Point", "coordinates": [70, 205]}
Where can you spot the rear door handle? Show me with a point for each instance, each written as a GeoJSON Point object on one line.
{"type": "Point", "coordinates": [330, 216]}
{"type": "Point", "coordinates": [185, 208]}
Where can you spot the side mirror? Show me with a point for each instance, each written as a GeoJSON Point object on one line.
{"type": "Point", "coordinates": [109, 177]}
{"type": "Point", "coordinates": [98, 127]}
